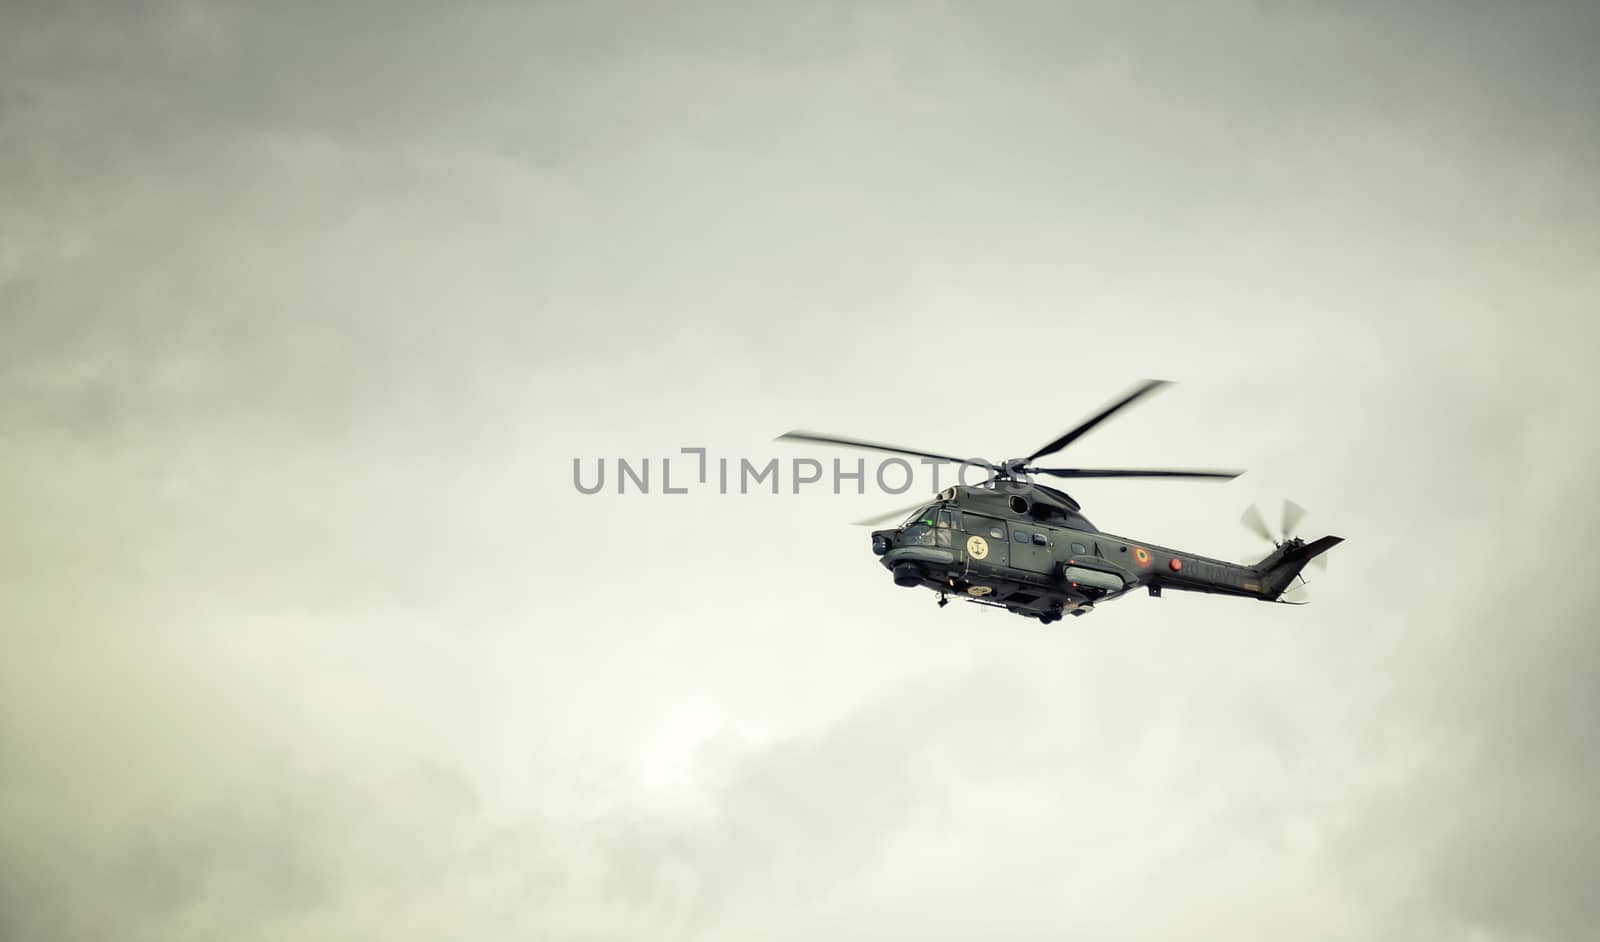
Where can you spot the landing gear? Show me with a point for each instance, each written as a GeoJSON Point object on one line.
{"type": "Point", "coordinates": [942, 600]}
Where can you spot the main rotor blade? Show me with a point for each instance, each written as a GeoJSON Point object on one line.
{"type": "Point", "coordinates": [897, 513]}
{"type": "Point", "coordinates": [1072, 435]}
{"type": "Point", "coordinates": [1255, 523]}
{"type": "Point", "coordinates": [1199, 473]}
{"type": "Point", "coordinates": [1293, 513]}
{"type": "Point", "coordinates": [800, 436]}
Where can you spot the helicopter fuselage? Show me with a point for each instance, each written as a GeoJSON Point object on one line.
{"type": "Point", "coordinates": [1027, 549]}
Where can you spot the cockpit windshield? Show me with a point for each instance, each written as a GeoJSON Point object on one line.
{"type": "Point", "coordinates": [923, 515]}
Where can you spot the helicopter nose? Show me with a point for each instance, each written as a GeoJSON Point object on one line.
{"type": "Point", "coordinates": [880, 544]}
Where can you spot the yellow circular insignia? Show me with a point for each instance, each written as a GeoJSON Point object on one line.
{"type": "Point", "coordinates": [977, 547]}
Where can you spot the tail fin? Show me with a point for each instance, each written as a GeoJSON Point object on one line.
{"type": "Point", "coordinates": [1279, 569]}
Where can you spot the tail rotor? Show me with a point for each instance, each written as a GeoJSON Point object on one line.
{"type": "Point", "coordinates": [1293, 515]}
{"type": "Point", "coordinates": [1257, 524]}
{"type": "Point", "coordinates": [1287, 537]}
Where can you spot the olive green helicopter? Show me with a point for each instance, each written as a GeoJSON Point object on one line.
{"type": "Point", "coordinates": [1015, 544]}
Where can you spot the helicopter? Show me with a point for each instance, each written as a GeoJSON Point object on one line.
{"type": "Point", "coordinates": [1012, 543]}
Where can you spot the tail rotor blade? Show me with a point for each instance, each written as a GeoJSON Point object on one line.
{"type": "Point", "coordinates": [1293, 513]}
{"type": "Point", "coordinates": [1255, 523]}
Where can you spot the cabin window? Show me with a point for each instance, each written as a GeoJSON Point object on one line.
{"type": "Point", "coordinates": [1039, 539]}
{"type": "Point", "coordinates": [978, 526]}
{"type": "Point", "coordinates": [1079, 548]}
{"type": "Point", "coordinates": [944, 519]}
{"type": "Point", "coordinates": [1021, 536]}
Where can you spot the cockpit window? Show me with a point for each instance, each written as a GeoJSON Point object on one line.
{"type": "Point", "coordinates": [924, 515]}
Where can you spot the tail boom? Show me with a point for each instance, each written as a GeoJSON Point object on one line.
{"type": "Point", "coordinates": [1266, 580]}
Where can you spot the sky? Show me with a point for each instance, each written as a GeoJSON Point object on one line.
{"type": "Point", "coordinates": [306, 311]}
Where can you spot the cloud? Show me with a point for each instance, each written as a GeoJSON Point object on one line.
{"type": "Point", "coordinates": [1490, 826]}
{"type": "Point", "coordinates": [306, 312]}
{"type": "Point", "coordinates": [400, 848]}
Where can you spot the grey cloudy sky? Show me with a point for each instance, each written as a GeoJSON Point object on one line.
{"type": "Point", "coordinates": [305, 310]}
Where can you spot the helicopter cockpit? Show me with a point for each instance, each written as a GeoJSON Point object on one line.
{"type": "Point", "coordinates": [928, 526]}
